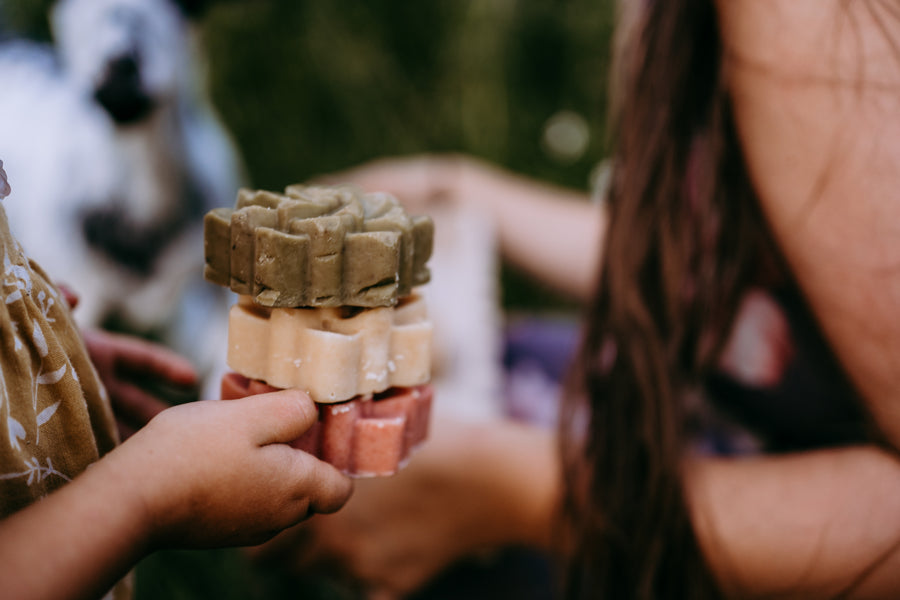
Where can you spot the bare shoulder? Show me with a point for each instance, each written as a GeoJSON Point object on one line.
{"type": "Point", "coordinates": [830, 40]}
{"type": "Point", "coordinates": [815, 89]}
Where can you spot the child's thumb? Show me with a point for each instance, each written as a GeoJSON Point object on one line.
{"type": "Point", "coordinates": [279, 417]}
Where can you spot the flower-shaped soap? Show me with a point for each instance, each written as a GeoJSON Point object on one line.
{"type": "Point", "coordinates": [317, 246]}
{"type": "Point", "coordinates": [333, 354]}
{"type": "Point", "coordinates": [367, 436]}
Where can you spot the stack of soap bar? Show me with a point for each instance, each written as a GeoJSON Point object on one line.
{"type": "Point", "coordinates": [333, 354]}
{"type": "Point", "coordinates": [326, 277]}
{"type": "Point", "coordinates": [368, 436]}
{"type": "Point", "coordinates": [317, 246]}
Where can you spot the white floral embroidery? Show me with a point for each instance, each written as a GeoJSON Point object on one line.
{"type": "Point", "coordinates": [20, 249]}
{"type": "Point", "coordinates": [46, 303]}
{"type": "Point", "coordinates": [16, 433]}
{"type": "Point", "coordinates": [40, 342]}
{"type": "Point", "coordinates": [18, 341]}
{"type": "Point", "coordinates": [18, 284]}
{"type": "Point", "coordinates": [17, 276]}
{"type": "Point", "coordinates": [13, 427]}
{"type": "Point", "coordinates": [35, 472]}
{"type": "Point", "coordinates": [51, 377]}
{"type": "Point", "coordinates": [44, 377]}
{"type": "Point", "coordinates": [45, 414]}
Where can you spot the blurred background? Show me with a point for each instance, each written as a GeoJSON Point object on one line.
{"type": "Point", "coordinates": [309, 87]}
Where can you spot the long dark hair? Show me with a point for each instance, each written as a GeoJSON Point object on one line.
{"type": "Point", "coordinates": [682, 246]}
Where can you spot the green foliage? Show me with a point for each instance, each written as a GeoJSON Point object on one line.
{"type": "Point", "coordinates": [225, 575]}
{"type": "Point", "coordinates": [309, 87]}
{"type": "Point", "coordinates": [26, 17]}
{"type": "Point", "coordinates": [312, 87]}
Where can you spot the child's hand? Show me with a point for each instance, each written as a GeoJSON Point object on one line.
{"type": "Point", "coordinates": [124, 363]}
{"type": "Point", "coordinates": [216, 473]}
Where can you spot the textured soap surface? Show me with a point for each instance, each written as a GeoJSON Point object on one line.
{"type": "Point", "coordinates": [317, 246]}
{"type": "Point", "coordinates": [367, 436]}
{"type": "Point", "coordinates": [333, 354]}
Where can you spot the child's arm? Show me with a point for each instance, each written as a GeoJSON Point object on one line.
{"type": "Point", "coordinates": [202, 474]}
{"type": "Point", "coordinates": [473, 486]}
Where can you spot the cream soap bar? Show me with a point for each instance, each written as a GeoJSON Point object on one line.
{"type": "Point", "coordinates": [317, 246]}
{"type": "Point", "coordinates": [333, 354]}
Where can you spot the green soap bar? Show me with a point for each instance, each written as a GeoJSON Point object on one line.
{"type": "Point", "coordinates": [372, 260]}
{"type": "Point", "coordinates": [326, 235]}
{"type": "Point", "coordinates": [291, 210]}
{"type": "Point", "coordinates": [257, 198]}
{"type": "Point", "coordinates": [275, 268]}
{"type": "Point", "coordinates": [317, 246]}
{"type": "Point", "coordinates": [392, 217]}
{"type": "Point", "coordinates": [423, 239]}
{"type": "Point", "coordinates": [217, 245]}
{"type": "Point", "coordinates": [244, 223]}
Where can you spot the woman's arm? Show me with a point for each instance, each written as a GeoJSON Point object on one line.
{"type": "Point", "coordinates": [202, 474]}
{"type": "Point", "coordinates": [473, 486]}
{"type": "Point", "coordinates": [800, 525]}
{"type": "Point", "coordinates": [822, 524]}
{"type": "Point", "coordinates": [550, 232]}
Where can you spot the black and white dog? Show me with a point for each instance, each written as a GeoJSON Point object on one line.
{"type": "Point", "coordinates": [114, 154]}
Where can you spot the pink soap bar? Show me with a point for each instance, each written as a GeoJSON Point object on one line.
{"type": "Point", "coordinates": [367, 436]}
{"type": "Point", "coordinates": [412, 403]}
{"type": "Point", "coordinates": [378, 445]}
{"type": "Point", "coordinates": [336, 446]}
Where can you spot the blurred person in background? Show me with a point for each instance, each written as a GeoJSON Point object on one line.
{"type": "Point", "coordinates": [749, 229]}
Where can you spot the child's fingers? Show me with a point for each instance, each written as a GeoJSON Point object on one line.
{"type": "Point", "coordinates": [278, 417]}
{"type": "Point", "coordinates": [137, 356]}
{"type": "Point", "coordinates": [332, 488]}
{"type": "Point", "coordinates": [140, 356]}
{"type": "Point", "coordinates": [133, 404]}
